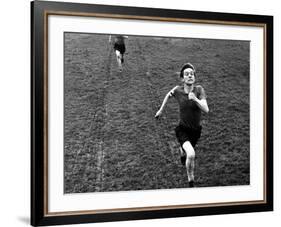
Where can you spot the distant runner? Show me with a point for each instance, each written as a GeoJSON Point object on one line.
{"type": "Point", "coordinates": [120, 48]}
{"type": "Point", "coordinates": [192, 101]}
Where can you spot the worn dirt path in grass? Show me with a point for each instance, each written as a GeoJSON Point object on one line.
{"type": "Point", "coordinates": [86, 107]}
{"type": "Point", "coordinates": [100, 121]}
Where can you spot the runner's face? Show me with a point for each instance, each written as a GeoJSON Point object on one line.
{"type": "Point", "coordinates": [188, 76]}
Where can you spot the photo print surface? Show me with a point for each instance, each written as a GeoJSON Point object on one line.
{"type": "Point", "coordinates": [113, 138]}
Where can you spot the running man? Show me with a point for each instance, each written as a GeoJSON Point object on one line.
{"type": "Point", "coordinates": [120, 48]}
{"type": "Point", "coordinates": [192, 101]}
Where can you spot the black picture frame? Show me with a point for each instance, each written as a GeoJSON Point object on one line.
{"type": "Point", "coordinates": [40, 11]}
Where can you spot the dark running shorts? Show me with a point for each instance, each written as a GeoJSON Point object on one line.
{"type": "Point", "coordinates": [184, 134]}
{"type": "Point", "coordinates": [120, 47]}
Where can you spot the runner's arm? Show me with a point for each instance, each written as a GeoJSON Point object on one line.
{"type": "Point", "coordinates": [201, 103]}
{"type": "Point", "coordinates": [168, 95]}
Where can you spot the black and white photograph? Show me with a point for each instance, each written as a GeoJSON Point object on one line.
{"type": "Point", "coordinates": [144, 113]}
{"type": "Point", "coordinates": [151, 113]}
{"type": "Point", "coordinates": [140, 113]}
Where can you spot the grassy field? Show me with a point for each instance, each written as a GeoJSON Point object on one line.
{"type": "Point", "coordinates": [112, 141]}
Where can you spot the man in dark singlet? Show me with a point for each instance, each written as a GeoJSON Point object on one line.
{"type": "Point", "coordinates": [192, 101]}
{"type": "Point", "coordinates": [120, 48]}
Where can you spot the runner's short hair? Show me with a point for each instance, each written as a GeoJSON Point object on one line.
{"type": "Point", "coordinates": [186, 66]}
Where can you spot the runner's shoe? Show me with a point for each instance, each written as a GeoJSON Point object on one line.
{"type": "Point", "coordinates": [191, 184]}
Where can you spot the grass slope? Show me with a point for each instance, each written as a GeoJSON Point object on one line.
{"type": "Point", "coordinates": [112, 141]}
